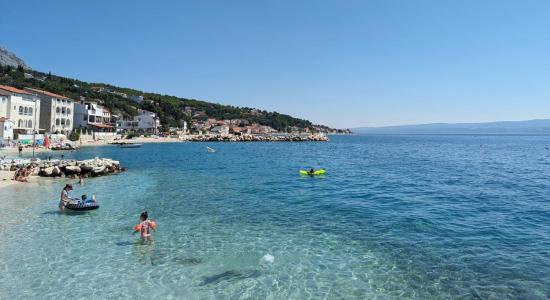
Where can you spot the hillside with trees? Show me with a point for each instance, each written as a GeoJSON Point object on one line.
{"type": "Point", "coordinates": [171, 110]}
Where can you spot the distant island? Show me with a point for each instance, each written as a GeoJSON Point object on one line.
{"type": "Point", "coordinates": [173, 112]}
{"type": "Point", "coordinates": [533, 127]}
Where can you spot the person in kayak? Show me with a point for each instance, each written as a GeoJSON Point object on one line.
{"type": "Point", "coordinates": [311, 172]}
{"type": "Point", "coordinates": [144, 227]}
{"type": "Point", "coordinates": [65, 198]}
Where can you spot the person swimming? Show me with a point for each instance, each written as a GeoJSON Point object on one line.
{"type": "Point", "coordinates": [144, 227]}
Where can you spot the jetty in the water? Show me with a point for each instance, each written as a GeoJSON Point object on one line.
{"type": "Point", "coordinates": [65, 168]}
{"type": "Point", "coordinates": [256, 138]}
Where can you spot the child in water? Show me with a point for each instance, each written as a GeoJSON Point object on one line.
{"type": "Point", "coordinates": [85, 199]}
{"type": "Point", "coordinates": [144, 227]}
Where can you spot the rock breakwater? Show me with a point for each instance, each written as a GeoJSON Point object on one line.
{"type": "Point", "coordinates": [256, 138]}
{"type": "Point", "coordinates": [65, 168]}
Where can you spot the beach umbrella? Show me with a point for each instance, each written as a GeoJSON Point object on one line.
{"type": "Point", "coordinates": [46, 141]}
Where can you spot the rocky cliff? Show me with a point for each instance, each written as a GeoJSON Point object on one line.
{"type": "Point", "coordinates": [7, 58]}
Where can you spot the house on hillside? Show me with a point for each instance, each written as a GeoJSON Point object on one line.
{"type": "Point", "coordinates": [144, 122]}
{"type": "Point", "coordinates": [90, 115]}
{"type": "Point", "coordinates": [56, 111]}
{"type": "Point", "coordinates": [21, 107]}
{"type": "Point", "coordinates": [136, 98]}
{"type": "Point", "coordinates": [221, 130]}
{"type": "Point", "coordinates": [262, 129]}
{"type": "Point", "coordinates": [121, 94]}
{"type": "Point", "coordinates": [101, 89]}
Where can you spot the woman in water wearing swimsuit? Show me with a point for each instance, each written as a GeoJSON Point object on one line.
{"type": "Point", "coordinates": [65, 198]}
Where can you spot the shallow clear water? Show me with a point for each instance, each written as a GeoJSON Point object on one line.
{"type": "Point", "coordinates": [395, 217]}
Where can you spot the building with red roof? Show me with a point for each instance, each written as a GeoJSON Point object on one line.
{"type": "Point", "coordinates": [56, 113]}
{"type": "Point", "coordinates": [20, 107]}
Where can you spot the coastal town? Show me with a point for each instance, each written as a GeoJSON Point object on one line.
{"type": "Point", "coordinates": [32, 117]}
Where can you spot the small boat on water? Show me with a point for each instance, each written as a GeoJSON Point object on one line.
{"type": "Point", "coordinates": [210, 150]}
{"type": "Point", "coordinates": [130, 145]}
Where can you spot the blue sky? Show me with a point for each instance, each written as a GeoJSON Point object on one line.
{"type": "Point", "coordinates": [340, 63]}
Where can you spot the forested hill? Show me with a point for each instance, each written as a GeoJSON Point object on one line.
{"type": "Point", "coordinates": [170, 109]}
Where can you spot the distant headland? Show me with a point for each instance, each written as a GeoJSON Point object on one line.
{"type": "Point", "coordinates": [529, 127]}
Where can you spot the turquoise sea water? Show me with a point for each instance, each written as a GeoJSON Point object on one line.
{"type": "Point", "coordinates": [425, 217]}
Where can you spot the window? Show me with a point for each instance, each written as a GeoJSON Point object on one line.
{"type": "Point", "coordinates": [57, 110]}
{"type": "Point", "coordinates": [84, 118]}
{"type": "Point", "coordinates": [20, 110]}
{"type": "Point", "coordinates": [68, 111]}
{"type": "Point", "coordinates": [62, 122]}
{"type": "Point", "coordinates": [53, 128]}
{"type": "Point", "coordinates": [29, 124]}
{"type": "Point", "coordinates": [26, 109]}
{"type": "Point", "coordinates": [57, 122]}
{"type": "Point", "coordinates": [20, 123]}
{"type": "Point", "coordinates": [68, 122]}
{"type": "Point", "coordinates": [63, 110]}
{"type": "Point", "coordinates": [30, 110]}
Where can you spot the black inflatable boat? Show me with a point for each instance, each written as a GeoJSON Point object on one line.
{"type": "Point", "coordinates": [82, 206]}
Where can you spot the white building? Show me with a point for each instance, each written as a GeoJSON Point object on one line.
{"type": "Point", "coordinates": [179, 130]}
{"type": "Point", "coordinates": [92, 116]}
{"type": "Point", "coordinates": [4, 98]}
{"type": "Point", "coordinates": [144, 121]}
{"type": "Point", "coordinates": [56, 112]}
{"type": "Point", "coordinates": [222, 130]}
{"type": "Point", "coordinates": [21, 107]}
{"type": "Point", "coordinates": [136, 98]}
{"type": "Point", "coordinates": [6, 130]}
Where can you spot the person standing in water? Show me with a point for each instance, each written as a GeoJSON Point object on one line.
{"type": "Point", "coordinates": [144, 227]}
{"type": "Point", "coordinates": [65, 198]}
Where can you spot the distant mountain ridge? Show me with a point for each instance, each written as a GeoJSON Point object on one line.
{"type": "Point", "coordinates": [539, 126]}
{"type": "Point", "coordinates": [8, 58]}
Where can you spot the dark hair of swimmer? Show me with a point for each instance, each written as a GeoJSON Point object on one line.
{"type": "Point", "coordinates": [144, 216]}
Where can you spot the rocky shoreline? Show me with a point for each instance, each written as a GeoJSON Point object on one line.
{"type": "Point", "coordinates": [65, 168]}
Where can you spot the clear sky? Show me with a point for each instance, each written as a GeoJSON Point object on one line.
{"type": "Point", "coordinates": [339, 63]}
